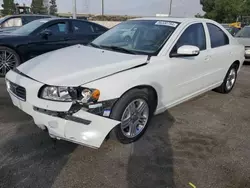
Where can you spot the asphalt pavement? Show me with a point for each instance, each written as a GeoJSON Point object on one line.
{"type": "Point", "coordinates": [204, 141]}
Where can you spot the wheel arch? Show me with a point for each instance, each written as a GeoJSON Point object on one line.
{"type": "Point", "coordinates": [237, 63]}
{"type": "Point", "coordinates": [153, 96]}
{"type": "Point", "coordinates": [14, 49]}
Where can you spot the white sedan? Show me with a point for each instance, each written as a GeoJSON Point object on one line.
{"type": "Point", "coordinates": [113, 86]}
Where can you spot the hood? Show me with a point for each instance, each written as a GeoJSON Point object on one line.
{"type": "Point", "coordinates": [77, 65]}
{"type": "Point", "coordinates": [243, 41]}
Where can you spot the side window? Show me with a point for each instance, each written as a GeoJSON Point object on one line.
{"type": "Point", "coordinates": [12, 22]}
{"type": "Point", "coordinates": [217, 36]}
{"type": "Point", "coordinates": [194, 35]}
{"type": "Point", "coordinates": [81, 27]}
{"type": "Point", "coordinates": [58, 28]}
{"type": "Point", "coordinates": [98, 28]}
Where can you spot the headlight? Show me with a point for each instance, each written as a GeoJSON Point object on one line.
{"type": "Point", "coordinates": [247, 51]}
{"type": "Point", "coordinates": [68, 94]}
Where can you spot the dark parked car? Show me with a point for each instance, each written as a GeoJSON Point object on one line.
{"type": "Point", "coordinates": [10, 23]}
{"type": "Point", "coordinates": [44, 35]}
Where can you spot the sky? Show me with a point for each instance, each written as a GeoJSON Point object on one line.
{"type": "Point", "coordinates": [187, 8]}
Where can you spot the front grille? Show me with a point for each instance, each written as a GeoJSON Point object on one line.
{"type": "Point", "coordinates": [17, 90]}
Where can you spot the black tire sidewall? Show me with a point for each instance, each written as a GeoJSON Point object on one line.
{"type": "Point", "coordinates": [119, 108]}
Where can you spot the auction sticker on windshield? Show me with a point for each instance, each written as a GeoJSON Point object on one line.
{"type": "Point", "coordinates": [166, 23]}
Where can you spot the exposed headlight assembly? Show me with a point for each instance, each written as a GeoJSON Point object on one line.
{"type": "Point", "coordinates": [247, 50]}
{"type": "Point", "coordinates": [69, 94]}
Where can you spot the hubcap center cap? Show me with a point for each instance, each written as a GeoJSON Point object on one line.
{"type": "Point", "coordinates": [135, 117]}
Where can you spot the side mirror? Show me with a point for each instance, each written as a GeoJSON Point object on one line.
{"type": "Point", "coordinates": [45, 33]}
{"type": "Point", "coordinates": [186, 50]}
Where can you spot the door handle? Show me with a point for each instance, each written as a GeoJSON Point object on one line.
{"type": "Point", "coordinates": [207, 58]}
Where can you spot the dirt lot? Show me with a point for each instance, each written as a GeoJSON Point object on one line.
{"type": "Point", "coordinates": [204, 141]}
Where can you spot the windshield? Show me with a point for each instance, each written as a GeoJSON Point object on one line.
{"type": "Point", "coordinates": [30, 27]}
{"type": "Point", "coordinates": [137, 36]}
{"type": "Point", "coordinates": [245, 33]}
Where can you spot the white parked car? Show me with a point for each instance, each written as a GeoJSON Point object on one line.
{"type": "Point", "coordinates": [113, 86]}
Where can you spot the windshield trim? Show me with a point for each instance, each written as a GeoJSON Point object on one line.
{"type": "Point", "coordinates": [138, 52]}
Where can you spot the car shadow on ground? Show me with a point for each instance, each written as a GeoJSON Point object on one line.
{"type": "Point", "coordinates": [151, 161]}
{"type": "Point", "coordinates": [28, 157]}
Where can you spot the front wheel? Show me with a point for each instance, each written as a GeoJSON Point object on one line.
{"type": "Point", "coordinates": [9, 59]}
{"type": "Point", "coordinates": [134, 111]}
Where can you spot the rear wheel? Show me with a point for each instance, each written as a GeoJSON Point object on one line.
{"type": "Point", "coordinates": [134, 112]}
{"type": "Point", "coordinates": [9, 59]}
{"type": "Point", "coordinates": [229, 80]}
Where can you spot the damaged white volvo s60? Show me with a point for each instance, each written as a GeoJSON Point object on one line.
{"type": "Point", "coordinates": [115, 84]}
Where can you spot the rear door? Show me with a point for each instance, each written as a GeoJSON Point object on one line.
{"type": "Point", "coordinates": [220, 53]}
{"type": "Point", "coordinates": [58, 39]}
{"type": "Point", "coordinates": [84, 32]}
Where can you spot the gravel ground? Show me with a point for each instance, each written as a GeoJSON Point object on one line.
{"type": "Point", "coordinates": [204, 141]}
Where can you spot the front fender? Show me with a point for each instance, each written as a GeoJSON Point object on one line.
{"type": "Point", "coordinates": [113, 87]}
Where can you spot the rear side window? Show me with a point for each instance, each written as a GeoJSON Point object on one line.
{"type": "Point", "coordinates": [81, 27]}
{"type": "Point", "coordinates": [217, 36]}
{"type": "Point", "coordinates": [98, 28]}
{"type": "Point", "coordinates": [194, 35]}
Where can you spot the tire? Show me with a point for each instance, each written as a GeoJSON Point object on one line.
{"type": "Point", "coordinates": [231, 75]}
{"type": "Point", "coordinates": [9, 60]}
{"type": "Point", "coordinates": [120, 109]}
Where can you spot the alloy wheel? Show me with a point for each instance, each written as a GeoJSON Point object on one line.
{"type": "Point", "coordinates": [7, 61]}
{"type": "Point", "coordinates": [134, 118]}
{"type": "Point", "coordinates": [231, 79]}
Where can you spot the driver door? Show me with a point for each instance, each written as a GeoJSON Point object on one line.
{"type": "Point", "coordinates": [187, 76]}
{"type": "Point", "coordinates": [56, 40]}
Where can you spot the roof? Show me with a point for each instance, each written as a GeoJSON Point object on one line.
{"type": "Point", "coordinates": [173, 19]}
{"type": "Point", "coordinates": [23, 15]}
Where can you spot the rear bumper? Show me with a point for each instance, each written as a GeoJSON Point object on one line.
{"type": "Point", "coordinates": [80, 127]}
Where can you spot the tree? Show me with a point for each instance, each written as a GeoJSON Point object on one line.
{"type": "Point", "coordinates": [225, 10]}
{"type": "Point", "coordinates": [37, 7]}
{"type": "Point", "coordinates": [8, 7]}
{"type": "Point", "coordinates": [53, 7]}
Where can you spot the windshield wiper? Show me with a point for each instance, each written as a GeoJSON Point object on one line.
{"type": "Point", "coordinates": [94, 45]}
{"type": "Point", "coordinates": [118, 49]}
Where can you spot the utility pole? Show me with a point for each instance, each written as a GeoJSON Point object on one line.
{"type": "Point", "coordinates": [102, 7]}
{"type": "Point", "coordinates": [170, 7]}
{"type": "Point", "coordinates": [74, 9]}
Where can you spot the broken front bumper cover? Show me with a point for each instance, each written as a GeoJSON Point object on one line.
{"type": "Point", "coordinates": [81, 127]}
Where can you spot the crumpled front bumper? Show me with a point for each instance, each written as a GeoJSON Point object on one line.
{"type": "Point", "coordinates": [80, 127]}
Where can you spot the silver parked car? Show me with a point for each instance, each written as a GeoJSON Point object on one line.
{"type": "Point", "coordinates": [243, 37]}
